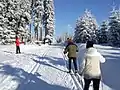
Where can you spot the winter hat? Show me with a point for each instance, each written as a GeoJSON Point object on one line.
{"type": "Point", "coordinates": [89, 44]}
{"type": "Point", "coordinates": [70, 40]}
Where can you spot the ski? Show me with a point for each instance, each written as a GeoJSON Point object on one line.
{"type": "Point", "coordinates": [72, 73]}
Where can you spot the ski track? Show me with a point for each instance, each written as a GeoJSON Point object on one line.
{"type": "Point", "coordinates": [7, 82]}
{"type": "Point", "coordinates": [78, 80]}
{"type": "Point", "coordinates": [60, 74]}
{"type": "Point", "coordinates": [47, 63]}
{"type": "Point", "coordinates": [33, 70]}
{"type": "Point", "coordinates": [74, 77]}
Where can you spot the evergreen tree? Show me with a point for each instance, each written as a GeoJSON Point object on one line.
{"type": "Point", "coordinates": [86, 28]}
{"type": "Point", "coordinates": [48, 17]}
{"type": "Point", "coordinates": [103, 32]}
{"type": "Point", "coordinates": [1, 20]}
{"type": "Point", "coordinates": [16, 17]}
{"type": "Point", "coordinates": [38, 15]}
{"type": "Point", "coordinates": [114, 27]}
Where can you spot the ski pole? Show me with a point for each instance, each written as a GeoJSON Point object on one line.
{"type": "Point", "coordinates": [101, 82]}
{"type": "Point", "coordinates": [66, 61]}
{"type": "Point", "coordinates": [64, 56]}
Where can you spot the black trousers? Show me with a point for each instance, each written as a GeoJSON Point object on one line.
{"type": "Point", "coordinates": [18, 49]}
{"type": "Point", "coordinates": [74, 62]}
{"type": "Point", "coordinates": [96, 83]}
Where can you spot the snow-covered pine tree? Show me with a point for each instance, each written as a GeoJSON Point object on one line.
{"type": "Point", "coordinates": [114, 27]}
{"type": "Point", "coordinates": [76, 37]}
{"type": "Point", "coordinates": [16, 14]}
{"type": "Point", "coordinates": [1, 21]}
{"type": "Point", "coordinates": [86, 28]}
{"type": "Point", "coordinates": [15, 18]}
{"type": "Point", "coordinates": [48, 17]}
{"type": "Point", "coordinates": [38, 15]}
{"type": "Point", "coordinates": [8, 22]}
{"type": "Point", "coordinates": [23, 18]}
{"type": "Point", "coordinates": [103, 32]}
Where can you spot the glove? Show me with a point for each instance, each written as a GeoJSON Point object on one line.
{"type": "Point", "coordinates": [76, 50]}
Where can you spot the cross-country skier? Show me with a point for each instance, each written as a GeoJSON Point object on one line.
{"type": "Point", "coordinates": [71, 49]}
{"type": "Point", "coordinates": [17, 45]}
{"type": "Point", "coordinates": [91, 70]}
{"type": "Point", "coordinates": [66, 42]}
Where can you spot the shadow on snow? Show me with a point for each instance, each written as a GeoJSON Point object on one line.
{"type": "Point", "coordinates": [28, 81]}
{"type": "Point", "coordinates": [110, 73]}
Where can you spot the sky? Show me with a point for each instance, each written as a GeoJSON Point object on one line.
{"type": "Point", "coordinates": [67, 12]}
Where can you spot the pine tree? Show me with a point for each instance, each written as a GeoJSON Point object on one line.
{"type": "Point", "coordinates": [38, 15]}
{"type": "Point", "coordinates": [114, 27]}
{"type": "Point", "coordinates": [44, 18]}
{"type": "Point", "coordinates": [16, 14]}
{"type": "Point", "coordinates": [86, 28]}
{"type": "Point", "coordinates": [24, 18]}
{"type": "Point", "coordinates": [48, 17]}
{"type": "Point", "coordinates": [1, 20]}
{"type": "Point", "coordinates": [103, 32]}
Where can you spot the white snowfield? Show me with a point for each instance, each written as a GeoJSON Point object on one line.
{"type": "Point", "coordinates": [44, 68]}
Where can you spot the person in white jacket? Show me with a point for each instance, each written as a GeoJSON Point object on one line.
{"type": "Point", "coordinates": [92, 70]}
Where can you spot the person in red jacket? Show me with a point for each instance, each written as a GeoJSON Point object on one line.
{"type": "Point", "coordinates": [17, 45]}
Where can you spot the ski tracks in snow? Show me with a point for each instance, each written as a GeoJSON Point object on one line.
{"type": "Point", "coordinates": [7, 81]}
{"type": "Point", "coordinates": [76, 78]}
{"type": "Point", "coordinates": [54, 66]}
{"type": "Point", "coordinates": [50, 63]}
{"type": "Point", "coordinates": [33, 70]}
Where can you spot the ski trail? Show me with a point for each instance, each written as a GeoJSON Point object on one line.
{"type": "Point", "coordinates": [79, 81]}
{"type": "Point", "coordinates": [76, 78]}
{"type": "Point", "coordinates": [33, 71]}
{"type": "Point", "coordinates": [7, 81]}
{"type": "Point", "coordinates": [51, 73]}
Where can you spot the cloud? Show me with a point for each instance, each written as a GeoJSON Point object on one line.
{"type": "Point", "coordinates": [69, 26]}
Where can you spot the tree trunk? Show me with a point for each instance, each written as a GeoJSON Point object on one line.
{"type": "Point", "coordinates": [41, 33]}
{"type": "Point", "coordinates": [37, 34]}
{"type": "Point", "coordinates": [30, 32]}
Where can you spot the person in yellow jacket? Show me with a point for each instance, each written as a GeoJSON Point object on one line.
{"type": "Point", "coordinates": [71, 49]}
{"type": "Point", "coordinates": [91, 70]}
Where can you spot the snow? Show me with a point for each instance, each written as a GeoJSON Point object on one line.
{"type": "Point", "coordinates": [1, 5]}
{"type": "Point", "coordinates": [1, 29]}
{"type": "Point", "coordinates": [44, 68]}
{"type": "Point", "coordinates": [37, 67]}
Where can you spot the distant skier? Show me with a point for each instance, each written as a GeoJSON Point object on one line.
{"type": "Point", "coordinates": [49, 41]}
{"type": "Point", "coordinates": [44, 40]}
{"type": "Point", "coordinates": [17, 45]}
{"type": "Point", "coordinates": [91, 70]}
{"type": "Point", "coordinates": [71, 49]}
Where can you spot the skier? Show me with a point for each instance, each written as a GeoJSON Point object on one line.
{"type": "Point", "coordinates": [17, 45]}
{"type": "Point", "coordinates": [91, 70]}
{"type": "Point", "coordinates": [71, 49]}
{"type": "Point", "coordinates": [66, 42]}
{"type": "Point", "coordinates": [49, 41]}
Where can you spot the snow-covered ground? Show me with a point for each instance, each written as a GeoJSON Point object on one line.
{"type": "Point", "coordinates": [44, 68]}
